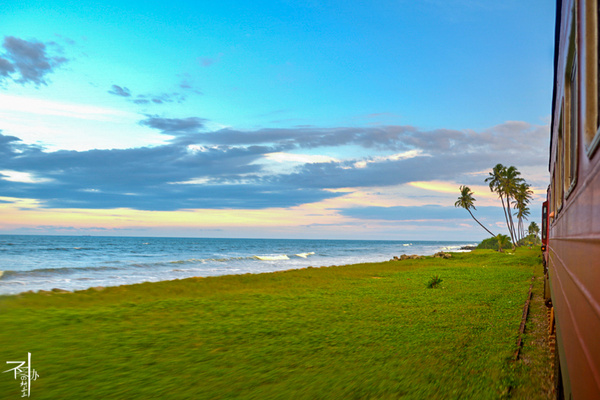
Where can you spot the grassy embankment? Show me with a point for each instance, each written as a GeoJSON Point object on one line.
{"type": "Point", "coordinates": [348, 332]}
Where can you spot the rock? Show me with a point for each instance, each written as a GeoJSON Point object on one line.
{"type": "Point", "coordinates": [56, 290]}
{"type": "Point", "coordinates": [441, 254]}
{"type": "Point", "coordinates": [407, 257]}
{"type": "Point", "coordinates": [468, 247]}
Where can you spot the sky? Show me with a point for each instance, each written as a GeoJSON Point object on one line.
{"type": "Point", "coordinates": [270, 119]}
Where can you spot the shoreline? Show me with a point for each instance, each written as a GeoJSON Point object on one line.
{"type": "Point", "coordinates": [403, 257]}
{"type": "Point", "coordinates": [77, 273]}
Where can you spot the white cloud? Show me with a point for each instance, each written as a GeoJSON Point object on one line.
{"type": "Point", "coordinates": [281, 157]}
{"type": "Point", "coordinates": [70, 126]}
{"type": "Point", "coordinates": [37, 106]}
{"type": "Point", "coordinates": [22, 177]}
{"type": "Point", "coordinates": [405, 155]}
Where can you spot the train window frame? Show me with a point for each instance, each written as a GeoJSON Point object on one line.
{"type": "Point", "coordinates": [559, 165]}
{"type": "Point", "coordinates": [570, 127]}
{"type": "Point", "coordinates": [592, 137]}
{"type": "Point", "coordinates": [552, 203]}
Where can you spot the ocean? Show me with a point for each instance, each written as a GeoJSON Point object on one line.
{"type": "Point", "coordinates": [80, 262]}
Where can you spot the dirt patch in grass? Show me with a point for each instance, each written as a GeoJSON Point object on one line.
{"type": "Point", "coordinates": [534, 365]}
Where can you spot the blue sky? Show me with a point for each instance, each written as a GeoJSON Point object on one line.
{"type": "Point", "coordinates": [269, 119]}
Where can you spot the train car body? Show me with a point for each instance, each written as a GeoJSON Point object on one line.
{"type": "Point", "coordinates": [572, 212]}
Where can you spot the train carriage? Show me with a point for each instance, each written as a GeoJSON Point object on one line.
{"type": "Point", "coordinates": [571, 214]}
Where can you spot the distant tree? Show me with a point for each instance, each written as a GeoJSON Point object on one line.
{"type": "Point", "coordinates": [503, 242]}
{"type": "Point", "coordinates": [522, 197]}
{"type": "Point", "coordinates": [522, 213]}
{"type": "Point", "coordinates": [506, 182]}
{"type": "Point", "coordinates": [466, 201]}
{"type": "Point", "coordinates": [489, 244]}
{"type": "Point", "coordinates": [533, 229]}
{"type": "Point", "coordinates": [495, 182]}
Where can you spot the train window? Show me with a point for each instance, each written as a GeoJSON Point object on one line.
{"type": "Point", "coordinates": [559, 170]}
{"type": "Point", "coordinates": [592, 136]}
{"type": "Point", "coordinates": [571, 131]}
{"type": "Point", "coordinates": [553, 196]}
{"type": "Point", "coordinates": [545, 222]}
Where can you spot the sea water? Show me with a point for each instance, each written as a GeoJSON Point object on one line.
{"type": "Point", "coordinates": [80, 262]}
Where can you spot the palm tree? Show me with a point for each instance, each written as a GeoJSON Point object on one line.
{"type": "Point", "coordinates": [495, 183]}
{"type": "Point", "coordinates": [521, 214]}
{"type": "Point", "coordinates": [466, 201]}
{"type": "Point", "coordinates": [511, 181]}
{"type": "Point", "coordinates": [503, 242]}
{"type": "Point", "coordinates": [505, 181]}
{"type": "Point", "coordinates": [522, 198]}
{"type": "Point", "coordinates": [533, 229]}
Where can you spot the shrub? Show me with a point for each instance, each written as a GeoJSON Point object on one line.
{"type": "Point", "coordinates": [491, 244]}
{"type": "Point", "coordinates": [434, 282]}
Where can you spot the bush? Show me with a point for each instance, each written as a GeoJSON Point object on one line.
{"type": "Point", "coordinates": [491, 244]}
{"type": "Point", "coordinates": [434, 282]}
{"type": "Point", "coordinates": [530, 240]}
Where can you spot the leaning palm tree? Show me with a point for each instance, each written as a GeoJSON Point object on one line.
{"type": "Point", "coordinates": [466, 201]}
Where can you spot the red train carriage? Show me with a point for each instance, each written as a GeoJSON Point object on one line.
{"type": "Point", "coordinates": [571, 217]}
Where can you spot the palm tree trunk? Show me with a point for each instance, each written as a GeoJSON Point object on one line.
{"type": "Point", "coordinates": [522, 232]}
{"type": "Point", "coordinates": [511, 226]}
{"type": "Point", "coordinates": [480, 223]}
{"type": "Point", "coordinates": [506, 216]}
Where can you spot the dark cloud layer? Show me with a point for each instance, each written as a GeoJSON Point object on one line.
{"type": "Point", "coordinates": [175, 125]}
{"type": "Point", "coordinates": [516, 138]}
{"type": "Point", "coordinates": [27, 61]}
{"type": "Point", "coordinates": [221, 169]}
{"type": "Point", "coordinates": [158, 178]}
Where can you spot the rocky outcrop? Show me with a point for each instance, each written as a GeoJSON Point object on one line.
{"type": "Point", "coordinates": [406, 257]}
{"type": "Point", "coordinates": [403, 257]}
{"type": "Point", "coordinates": [441, 254]}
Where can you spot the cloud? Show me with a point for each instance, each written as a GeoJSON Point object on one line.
{"type": "Point", "coordinates": [175, 126]}
{"type": "Point", "coordinates": [145, 178]}
{"type": "Point", "coordinates": [186, 84]}
{"type": "Point", "coordinates": [119, 91]}
{"type": "Point", "coordinates": [208, 61]}
{"type": "Point", "coordinates": [27, 61]}
{"type": "Point", "coordinates": [416, 213]}
{"type": "Point", "coordinates": [521, 139]}
{"type": "Point", "coordinates": [148, 98]}
{"type": "Point", "coordinates": [260, 169]}
{"type": "Point", "coordinates": [160, 98]}
{"type": "Point", "coordinates": [35, 106]}
{"type": "Point", "coordinates": [157, 98]}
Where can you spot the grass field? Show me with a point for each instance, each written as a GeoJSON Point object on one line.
{"type": "Point", "coordinates": [368, 331]}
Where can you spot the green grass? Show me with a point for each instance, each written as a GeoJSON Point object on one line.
{"type": "Point", "coordinates": [369, 331]}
